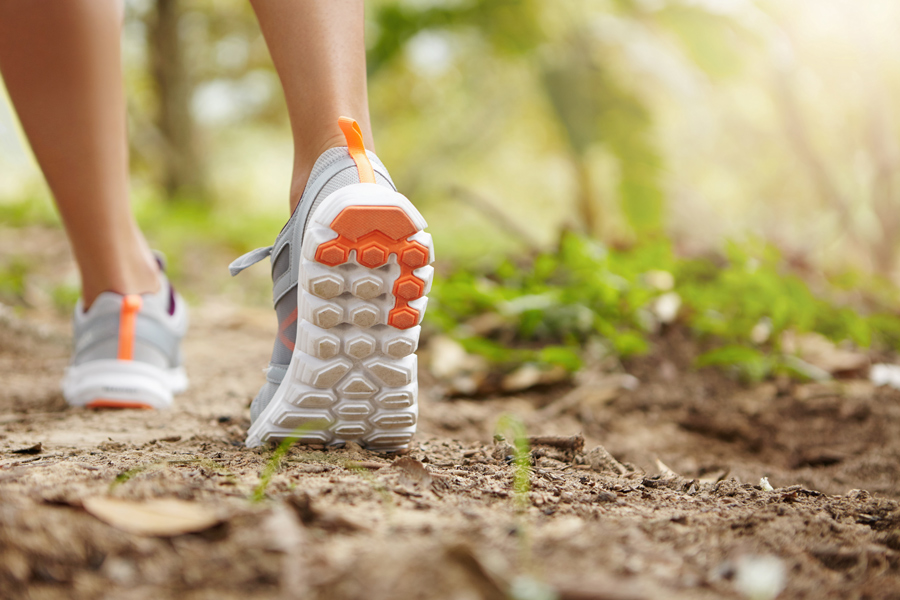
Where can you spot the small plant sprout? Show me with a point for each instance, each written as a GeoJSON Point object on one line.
{"type": "Point", "coordinates": [765, 485]}
{"type": "Point", "coordinates": [274, 462]}
{"type": "Point", "coordinates": [510, 424]}
{"type": "Point", "coordinates": [125, 476]}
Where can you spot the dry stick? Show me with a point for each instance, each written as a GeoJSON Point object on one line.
{"type": "Point", "coordinates": [574, 443]}
{"type": "Point", "coordinates": [366, 464]}
{"type": "Point", "coordinates": [495, 216]}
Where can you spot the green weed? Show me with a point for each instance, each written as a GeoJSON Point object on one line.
{"type": "Point", "coordinates": [125, 476]}
{"type": "Point", "coordinates": [274, 462]}
{"type": "Point", "coordinates": [511, 427]}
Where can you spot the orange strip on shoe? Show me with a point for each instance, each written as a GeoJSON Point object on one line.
{"type": "Point", "coordinates": [131, 304]}
{"type": "Point", "coordinates": [353, 135]}
{"type": "Point", "coordinates": [290, 320]}
{"type": "Point", "coordinates": [102, 403]}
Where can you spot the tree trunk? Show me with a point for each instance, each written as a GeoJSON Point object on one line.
{"type": "Point", "coordinates": [587, 205]}
{"type": "Point", "coordinates": [182, 175]}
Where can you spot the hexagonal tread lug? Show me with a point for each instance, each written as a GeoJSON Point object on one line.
{"type": "Point", "coordinates": [366, 287]}
{"type": "Point", "coordinates": [326, 286]}
{"type": "Point", "coordinates": [394, 374]}
{"type": "Point", "coordinates": [293, 420]}
{"type": "Point", "coordinates": [354, 412]}
{"type": "Point", "coordinates": [364, 316]}
{"type": "Point", "coordinates": [372, 255]}
{"type": "Point", "coordinates": [360, 347]}
{"type": "Point", "coordinates": [389, 440]}
{"type": "Point", "coordinates": [403, 318]}
{"type": "Point", "coordinates": [314, 399]}
{"type": "Point", "coordinates": [327, 348]}
{"type": "Point", "coordinates": [394, 420]}
{"type": "Point", "coordinates": [322, 374]}
{"type": "Point", "coordinates": [409, 287]}
{"type": "Point", "coordinates": [415, 256]}
{"type": "Point", "coordinates": [358, 387]}
{"type": "Point", "coordinates": [332, 253]}
{"type": "Point", "coordinates": [399, 347]}
{"type": "Point", "coordinates": [350, 430]}
{"type": "Point", "coordinates": [395, 400]}
{"type": "Point", "coordinates": [328, 316]}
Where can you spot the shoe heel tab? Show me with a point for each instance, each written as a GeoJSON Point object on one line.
{"type": "Point", "coordinates": [131, 305]}
{"type": "Point", "coordinates": [357, 149]}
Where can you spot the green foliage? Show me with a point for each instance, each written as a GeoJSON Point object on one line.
{"type": "Point", "coordinates": [751, 364]}
{"type": "Point", "coordinates": [753, 286]}
{"type": "Point", "coordinates": [510, 26]}
{"type": "Point", "coordinates": [552, 306]}
{"type": "Point", "coordinates": [559, 301]}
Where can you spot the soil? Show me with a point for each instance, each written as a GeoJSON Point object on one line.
{"type": "Point", "coordinates": [661, 498]}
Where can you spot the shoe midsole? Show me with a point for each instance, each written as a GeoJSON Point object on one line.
{"type": "Point", "coordinates": [112, 381]}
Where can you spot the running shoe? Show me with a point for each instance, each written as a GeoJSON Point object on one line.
{"type": "Point", "coordinates": [350, 272]}
{"type": "Point", "coordinates": [127, 350]}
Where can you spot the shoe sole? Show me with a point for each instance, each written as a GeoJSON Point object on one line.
{"type": "Point", "coordinates": [364, 273]}
{"type": "Point", "coordinates": [112, 383]}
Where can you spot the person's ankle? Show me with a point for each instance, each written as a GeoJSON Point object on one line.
{"type": "Point", "coordinates": [135, 276]}
{"type": "Point", "coordinates": [304, 161]}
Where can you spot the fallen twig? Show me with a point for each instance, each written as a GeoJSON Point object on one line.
{"type": "Point", "coordinates": [574, 443]}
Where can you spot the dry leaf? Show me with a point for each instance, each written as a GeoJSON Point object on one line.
{"type": "Point", "coordinates": [821, 352]}
{"type": "Point", "coordinates": [34, 449]}
{"type": "Point", "coordinates": [412, 471]}
{"type": "Point", "coordinates": [163, 517]}
{"type": "Point", "coordinates": [529, 375]}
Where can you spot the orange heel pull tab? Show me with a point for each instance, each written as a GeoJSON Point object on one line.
{"type": "Point", "coordinates": [131, 304]}
{"type": "Point", "coordinates": [357, 149]}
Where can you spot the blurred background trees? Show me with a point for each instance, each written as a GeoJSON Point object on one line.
{"type": "Point", "coordinates": [509, 121]}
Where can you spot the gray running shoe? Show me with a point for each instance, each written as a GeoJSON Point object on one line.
{"type": "Point", "coordinates": [350, 271]}
{"type": "Point", "coordinates": [127, 350]}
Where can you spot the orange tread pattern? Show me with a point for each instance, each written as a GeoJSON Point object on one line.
{"type": "Point", "coordinates": [103, 403]}
{"type": "Point", "coordinates": [376, 232]}
{"type": "Point", "coordinates": [131, 304]}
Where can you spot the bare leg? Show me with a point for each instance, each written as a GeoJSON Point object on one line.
{"type": "Point", "coordinates": [320, 55]}
{"type": "Point", "coordinates": [60, 61]}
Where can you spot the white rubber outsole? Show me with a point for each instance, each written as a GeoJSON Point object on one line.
{"type": "Point", "coordinates": [353, 374]}
{"type": "Point", "coordinates": [112, 383]}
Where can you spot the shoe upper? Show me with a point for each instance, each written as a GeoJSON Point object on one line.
{"type": "Point", "coordinates": [146, 328]}
{"type": "Point", "coordinates": [334, 169]}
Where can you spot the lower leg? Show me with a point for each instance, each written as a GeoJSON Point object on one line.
{"type": "Point", "coordinates": [319, 52]}
{"type": "Point", "coordinates": [60, 61]}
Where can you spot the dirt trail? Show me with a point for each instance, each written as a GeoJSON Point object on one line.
{"type": "Point", "coordinates": [674, 510]}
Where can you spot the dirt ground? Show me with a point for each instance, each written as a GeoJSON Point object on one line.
{"type": "Point", "coordinates": [663, 500]}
